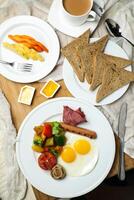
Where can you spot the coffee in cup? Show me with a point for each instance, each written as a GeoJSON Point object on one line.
{"type": "Point", "coordinates": [77, 12]}
{"type": "Point", "coordinates": [77, 7]}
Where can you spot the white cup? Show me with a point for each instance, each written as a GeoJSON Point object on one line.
{"type": "Point", "coordinates": [77, 20]}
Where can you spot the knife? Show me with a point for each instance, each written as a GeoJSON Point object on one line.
{"type": "Point", "coordinates": [121, 134]}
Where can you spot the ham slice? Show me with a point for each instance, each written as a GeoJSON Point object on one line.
{"type": "Point", "coordinates": [73, 117]}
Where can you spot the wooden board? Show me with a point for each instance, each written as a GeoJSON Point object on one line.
{"type": "Point", "coordinates": [19, 111]}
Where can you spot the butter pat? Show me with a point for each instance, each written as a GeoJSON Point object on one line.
{"type": "Point", "coordinates": [26, 95]}
{"type": "Point", "coordinates": [50, 88]}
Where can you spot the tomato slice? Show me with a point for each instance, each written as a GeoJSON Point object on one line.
{"type": "Point", "coordinates": [47, 130]}
{"type": "Point", "coordinates": [47, 161]}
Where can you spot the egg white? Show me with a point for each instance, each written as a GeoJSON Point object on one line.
{"type": "Point", "coordinates": [83, 164]}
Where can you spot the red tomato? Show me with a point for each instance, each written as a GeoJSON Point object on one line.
{"type": "Point", "coordinates": [47, 130]}
{"type": "Point", "coordinates": [47, 161]}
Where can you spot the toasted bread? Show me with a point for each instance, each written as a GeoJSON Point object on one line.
{"type": "Point", "coordinates": [70, 52]}
{"type": "Point", "coordinates": [113, 79]}
{"type": "Point", "coordinates": [87, 56]}
{"type": "Point", "coordinates": [102, 61]}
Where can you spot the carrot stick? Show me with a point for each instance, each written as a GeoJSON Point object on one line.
{"type": "Point", "coordinates": [31, 41]}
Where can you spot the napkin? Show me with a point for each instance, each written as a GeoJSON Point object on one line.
{"type": "Point", "coordinates": [13, 185]}
{"type": "Point", "coordinates": [7, 144]}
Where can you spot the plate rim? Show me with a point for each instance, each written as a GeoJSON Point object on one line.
{"type": "Point", "coordinates": [27, 18]}
{"type": "Point", "coordinates": [19, 135]}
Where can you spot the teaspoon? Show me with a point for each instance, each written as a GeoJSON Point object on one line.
{"type": "Point", "coordinates": [114, 29]}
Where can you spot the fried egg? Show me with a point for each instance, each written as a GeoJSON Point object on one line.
{"type": "Point", "coordinates": [79, 155]}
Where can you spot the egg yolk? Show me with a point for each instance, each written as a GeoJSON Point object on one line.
{"type": "Point", "coordinates": [82, 146]}
{"type": "Point", "coordinates": [68, 154]}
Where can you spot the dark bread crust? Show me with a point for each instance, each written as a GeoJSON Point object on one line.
{"type": "Point", "coordinates": [101, 62]}
{"type": "Point", "coordinates": [88, 53]}
{"type": "Point", "coordinates": [70, 52]}
{"type": "Point", "coordinates": [113, 79]}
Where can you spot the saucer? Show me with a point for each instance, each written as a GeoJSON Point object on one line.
{"type": "Point", "coordinates": [56, 19]}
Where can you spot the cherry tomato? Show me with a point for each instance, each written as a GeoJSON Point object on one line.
{"type": "Point", "coordinates": [47, 161]}
{"type": "Point", "coordinates": [47, 130]}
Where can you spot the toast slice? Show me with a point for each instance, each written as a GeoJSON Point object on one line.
{"type": "Point", "coordinates": [87, 56]}
{"type": "Point", "coordinates": [70, 52]}
{"type": "Point", "coordinates": [113, 79]}
{"type": "Point", "coordinates": [102, 61]}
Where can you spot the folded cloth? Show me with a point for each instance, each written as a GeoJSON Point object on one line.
{"type": "Point", "coordinates": [10, 175]}
{"type": "Point", "coordinates": [13, 185]}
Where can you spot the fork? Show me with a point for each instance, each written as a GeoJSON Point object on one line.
{"type": "Point", "coordinates": [24, 67]}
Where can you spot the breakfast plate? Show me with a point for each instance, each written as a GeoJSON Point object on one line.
{"type": "Point", "coordinates": [36, 28]}
{"type": "Point", "coordinates": [41, 179]}
{"type": "Point", "coordinates": [81, 89]}
{"type": "Point", "coordinates": [57, 21]}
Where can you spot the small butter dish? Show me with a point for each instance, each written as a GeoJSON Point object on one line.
{"type": "Point", "coordinates": [50, 88]}
{"type": "Point", "coordinates": [26, 95]}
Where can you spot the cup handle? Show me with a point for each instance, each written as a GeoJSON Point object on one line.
{"type": "Point", "coordinates": [92, 16]}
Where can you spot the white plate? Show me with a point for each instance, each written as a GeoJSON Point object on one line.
{"type": "Point", "coordinates": [81, 89]}
{"type": "Point", "coordinates": [41, 31]}
{"type": "Point", "coordinates": [70, 186]}
{"type": "Point", "coordinates": [56, 19]}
